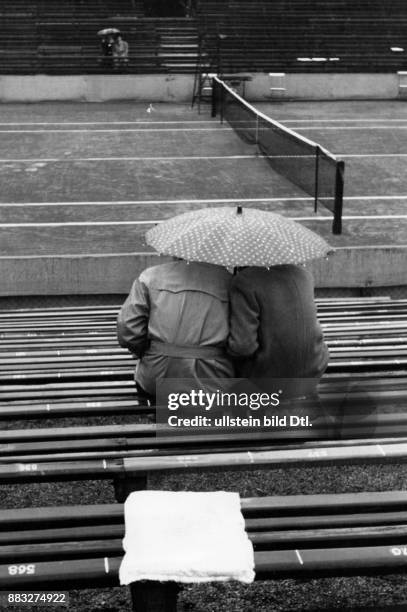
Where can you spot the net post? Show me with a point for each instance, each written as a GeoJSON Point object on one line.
{"type": "Point", "coordinates": [316, 188]}
{"type": "Point", "coordinates": [257, 129]}
{"type": "Point", "coordinates": [214, 101]}
{"type": "Point", "coordinates": [222, 104]}
{"type": "Point", "coordinates": [339, 183]}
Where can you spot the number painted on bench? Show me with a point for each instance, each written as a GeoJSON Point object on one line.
{"type": "Point", "coordinates": [22, 569]}
{"type": "Point", "coordinates": [399, 552]}
{"type": "Point", "coordinates": [28, 467]}
{"type": "Point", "coordinates": [318, 452]}
{"type": "Point", "coordinates": [93, 404]}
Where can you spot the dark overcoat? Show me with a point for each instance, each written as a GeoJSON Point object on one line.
{"type": "Point", "coordinates": [274, 330]}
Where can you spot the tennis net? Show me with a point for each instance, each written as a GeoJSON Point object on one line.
{"type": "Point", "coordinates": [304, 162]}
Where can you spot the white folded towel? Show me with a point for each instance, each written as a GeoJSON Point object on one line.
{"type": "Point", "coordinates": [185, 537]}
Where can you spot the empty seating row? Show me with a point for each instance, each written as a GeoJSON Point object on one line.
{"type": "Point", "coordinates": [341, 29]}
{"type": "Point", "coordinates": [293, 536]}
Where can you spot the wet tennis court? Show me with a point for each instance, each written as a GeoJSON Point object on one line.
{"type": "Point", "coordinates": [92, 178]}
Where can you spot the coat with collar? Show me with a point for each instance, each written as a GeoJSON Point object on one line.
{"type": "Point", "coordinates": [182, 304]}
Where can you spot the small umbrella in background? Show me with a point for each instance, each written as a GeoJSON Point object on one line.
{"type": "Point", "coordinates": [109, 32]}
{"type": "Point", "coordinates": [232, 237]}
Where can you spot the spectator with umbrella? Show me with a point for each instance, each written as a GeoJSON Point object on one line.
{"type": "Point", "coordinates": [107, 42]}
{"type": "Point", "coordinates": [274, 331]}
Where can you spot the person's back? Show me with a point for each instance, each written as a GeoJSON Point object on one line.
{"type": "Point", "coordinates": [274, 324]}
{"type": "Point", "coordinates": [175, 320]}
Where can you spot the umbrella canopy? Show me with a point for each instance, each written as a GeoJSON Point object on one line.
{"type": "Point", "coordinates": [108, 31]}
{"type": "Point", "coordinates": [233, 237]}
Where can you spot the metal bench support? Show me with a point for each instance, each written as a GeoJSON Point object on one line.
{"type": "Point", "coordinates": [149, 596]}
{"type": "Point", "coordinates": [123, 486]}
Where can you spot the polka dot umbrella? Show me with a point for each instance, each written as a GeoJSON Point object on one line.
{"type": "Point", "coordinates": [233, 237]}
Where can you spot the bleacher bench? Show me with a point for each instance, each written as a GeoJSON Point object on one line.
{"type": "Point", "coordinates": [303, 536]}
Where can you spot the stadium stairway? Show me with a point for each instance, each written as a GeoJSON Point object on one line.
{"type": "Point", "coordinates": [178, 49]}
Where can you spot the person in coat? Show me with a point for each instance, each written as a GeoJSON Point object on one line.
{"type": "Point", "coordinates": [176, 322]}
{"type": "Point", "coordinates": [120, 52]}
{"type": "Point", "coordinates": [275, 334]}
{"type": "Point", "coordinates": [274, 330]}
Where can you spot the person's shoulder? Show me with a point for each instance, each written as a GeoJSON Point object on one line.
{"type": "Point", "coordinates": [291, 275]}
{"type": "Point", "coordinates": [211, 269]}
{"type": "Point", "coordinates": [153, 272]}
{"type": "Point", "coordinates": [299, 272]}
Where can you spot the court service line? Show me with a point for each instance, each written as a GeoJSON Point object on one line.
{"type": "Point", "coordinates": [124, 158]}
{"type": "Point", "coordinates": [193, 121]}
{"type": "Point", "coordinates": [155, 254]}
{"type": "Point", "coordinates": [343, 120]}
{"type": "Point", "coordinates": [155, 221]}
{"type": "Point", "coordinates": [352, 155]}
{"type": "Point", "coordinates": [54, 160]}
{"type": "Point", "coordinates": [202, 201]}
{"type": "Point", "coordinates": [110, 122]}
{"type": "Point", "coordinates": [350, 217]}
{"type": "Point", "coordinates": [62, 131]}
{"type": "Point", "coordinates": [352, 127]}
